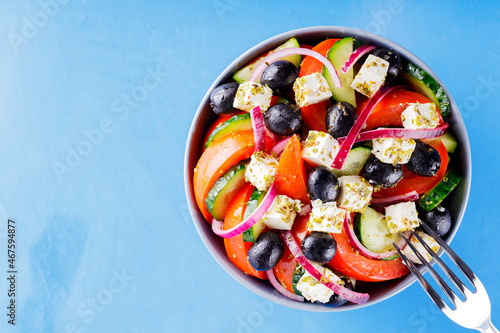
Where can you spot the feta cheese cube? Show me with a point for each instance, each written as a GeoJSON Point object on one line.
{"type": "Point", "coordinates": [420, 248]}
{"type": "Point", "coordinates": [282, 213]}
{"type": "Point", "coordinates": [320, 148]}
{"type": "Point", "coordinates": [311, 89]}
{"type": "Point", "coordinates": [315, 291]}
{"type": "Point", "coordinates": [371, 76]}
{"type": "Point", "coordinates": [252, 94]}
{"type": "Point", "coordinates": [261, 169]}
{"type": "Point", "coordinates": [326, 216]}
{"type": "Point", "coordinates": [401, 217]}
{"type": "Point", "coordinates": [355, 193]}
{"type": "Point", "coordinates": [393, 150]}
{"type": "Point", "coordinates": [420, 116]}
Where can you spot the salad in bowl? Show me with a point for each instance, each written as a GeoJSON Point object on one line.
{"type": "Point", "coordinates": [317, 153]}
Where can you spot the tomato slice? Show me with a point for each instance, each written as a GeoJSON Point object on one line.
{"type": "Point", "coordinates": [236, 248]}
{"type": "Point", "coordinates": [388, 111]}
{"type": "Point", "coordinates": [285, 267]}
{"type": "Point", "coordinates": [217, 159]}
{"type": "Point", "coordinates": [347, 260]}
{"type": "Point", "coordinates": [412, 182]}
{"type": "Point", "coordinates": [291, 174]}
{"type": "Point", "coordinates": [350, 262]}
{"type": "Point", "coordinates": [314, 115]}
{"type": "Point", "coordinates": [311, 65]}
{"type": "Point", "coordinates": [216, 123]}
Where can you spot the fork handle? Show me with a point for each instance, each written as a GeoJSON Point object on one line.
{"type": "Point", "coordinates": [488, 327]}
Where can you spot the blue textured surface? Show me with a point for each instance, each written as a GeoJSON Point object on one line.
{"type": "Point", "coordinates": [96, 100]}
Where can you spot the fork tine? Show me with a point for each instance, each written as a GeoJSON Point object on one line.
{"type": "Point", "coordinates": [456, 281]}
{"type": "Point", "coordinates": [453, 256]}
{"type": "Point", "coordinates": [434, 274]}
{"type": "Point", "coordinates": [423, 282]}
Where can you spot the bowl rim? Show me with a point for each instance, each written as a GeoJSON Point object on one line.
{"type": "Point", "coordinates": [200, 223]}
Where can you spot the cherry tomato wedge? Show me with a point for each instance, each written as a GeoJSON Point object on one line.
{"type": "Point", "coordinates": [216, 123]}
{"type": "Point", "coordinates": [388, 111]}
{"type": "Point", "coordinates": [412, 182]}
{"type": "Point", "coordinates": [314, 115]}
{"type": "Point", "coordinates": [350, 262]}
{"type": "Point", "coordinates": [285, 267]}
{"type": "Point", "coordinates": [291, 174]}
{"type": "Point", "coordinates": [236, 248]}
{"type": "Point", "coordinates": [217, 159]}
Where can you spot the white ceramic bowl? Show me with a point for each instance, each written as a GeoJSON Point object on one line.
{"type": "Point", "coordinates": [204, 117]}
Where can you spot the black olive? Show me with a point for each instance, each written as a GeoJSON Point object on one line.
{"type": "Point", "coordinates": [280, 76]}
{"type": "Point", "coordinates": [283, 119]}
{"type": "Point", "coordinates": [319, 247]}
{"type": "Point", "coordinates": [340, 119]}
{"type": "Point", "coordinates": [424, 161]}
{"type": "Point", "coordinates": [323, 185]}
{"type": "Point", "coordinates": [266, 252]}
{"type": "Point", "coordinates": [439, 219]}
{"type": "Point", "coordinates": [395, 63]}
{"type": "Point", "coordinates": [385, 175]}
{"type": "Point", "coordinates": [222, 98]}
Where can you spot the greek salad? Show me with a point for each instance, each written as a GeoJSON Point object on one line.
{"type": "Point", "coordinates": [322, 157]}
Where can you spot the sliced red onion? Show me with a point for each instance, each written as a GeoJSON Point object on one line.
{"type": "Point", "coordinates": [349, 295]}
{"type": "Point", "coordinates": [387, 201]}
{"type": "Point", "coordinates": [280, 146]}
{"type": "Point", "coordinates": [346, 146]}
{"type": "Point", "coordinates": [262, 208]}
{"type": "Point", "coordinates": [356, 243]}
{"type": "Point", "coordinates": [400, 133]}
{"type": "Point", "coordinates": [277, 55]}
{"type": "Point", "coordinates": [259, 128]}
{"type": "Point", "coordinates": [282, 290]}
{"type": "Point", "coordinates": [354, 57]}
{"type": "Point", "coordinates": [272, 135]}
{"type": "Point", "coordinates": [306, 209]}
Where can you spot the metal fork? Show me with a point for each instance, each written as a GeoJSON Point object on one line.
{"type": "Point", "coordinates": [475, 311]}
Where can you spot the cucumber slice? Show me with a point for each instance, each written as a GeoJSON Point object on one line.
{"type": "Point", "coordinates": [224, 190]}
{"type": "Point", "coordinates": [244, 74]}
{"type": "Point", "coordinates": [240, 122]}
{"type": "Point", "coordinates": [354, 163]}
{"type": "Point", "coordinates": [434, 197]}
{"type": "Point", "coordinates": [449, 142]}
{"type": "Point", "coordinates": [396, 256]}
{"type": "Point", "coordinates": [425, 84]}
{"type": "Point", "coordinates": [282, 100]}
{"type": "Point", "coordinates": [338, 55]}
{"type": "Point", "coordinates": [373, 231]}
{"type": "Point", "coordinates": [297, 275]}
{"type": "Point", "coordinates": [253, 233]}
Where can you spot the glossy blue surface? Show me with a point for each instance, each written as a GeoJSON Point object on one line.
{"type": "Point", "coordinates": [96, 99]}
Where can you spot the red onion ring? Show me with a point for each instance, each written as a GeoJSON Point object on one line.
{"type": "Point", "coordinates": [282, 290]}
{"type": "Point", "coordinates": [356, 243]}
{"type": "Point", "coordinates": [259, 128]}
{"type": "Point", "coordinates": [356, 55]}
{"type": "Point", "coordinates": [352, 296]}
{"type": "Point", "coordinates": [277, 55]}
{"type": "Point", "coordinates": [399, 133]}
{"type": "Point", "coordinates": [346, 146]}
{"type": "Point", "coordinates": [262, 208]}
{"type": "Point", "coordinates": [306, 209]}
{"type": "Point", "coordinates": [387, 201]}
{"type": "Point", "coordinates": [280, 146]}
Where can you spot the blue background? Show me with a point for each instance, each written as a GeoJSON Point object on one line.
{"type": "Point", "coordinates": [106, 243]}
